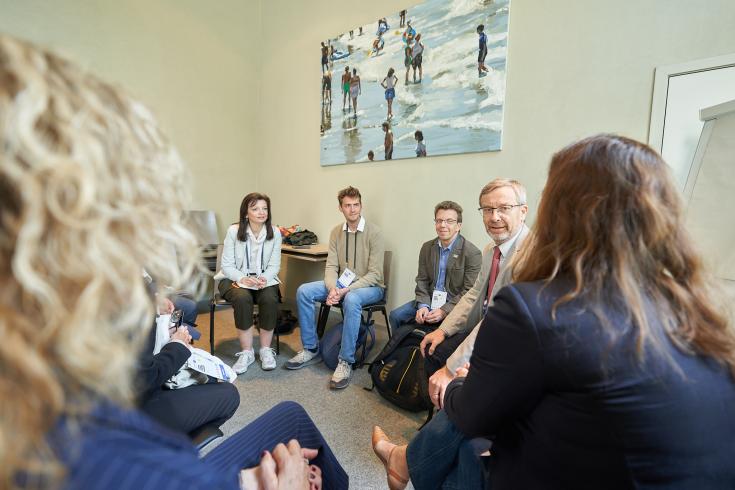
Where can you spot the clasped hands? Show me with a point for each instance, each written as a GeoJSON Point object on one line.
{"type": "Point", "coordinates": [424, 315]}
{"type": "Point", "coordinates": [252, 282]}
{"type": "Point", "coordinates": [287, 467]}
{"type": "Point", "coordinates": [335, 296]}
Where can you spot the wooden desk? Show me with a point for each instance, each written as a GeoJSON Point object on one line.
{"type": "Point", "coordinates": [313, 253]}
{"type": "Point", "coordinates": [303, 265]}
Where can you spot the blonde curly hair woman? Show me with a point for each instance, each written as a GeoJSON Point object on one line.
{"type": "Point", "coordinates": [81, 212]}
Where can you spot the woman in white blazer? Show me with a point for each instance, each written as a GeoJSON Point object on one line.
{"type": "Point", "coordinates": [251, 260]}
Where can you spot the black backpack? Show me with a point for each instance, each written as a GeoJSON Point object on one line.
{"type": "Point", "coordinates": [398, 371]}
{"type": "Point", "coordinates": [331, 343]}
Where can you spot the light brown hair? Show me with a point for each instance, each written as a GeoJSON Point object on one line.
{"type": "Point", "coordinates": [611, 219]}
{"type": "Point", "coordinates": [350, 191]}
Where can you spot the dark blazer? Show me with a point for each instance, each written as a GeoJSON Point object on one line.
{"type": "Point", "coordinates": [463, 266]}
{"type": "Point", "coordinates": [153, 371]}
{"type": "Point", "coordinates": [570, 406]}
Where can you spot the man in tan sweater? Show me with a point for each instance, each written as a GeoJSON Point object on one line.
{"type": "Point", "coordinates": [353, 276]}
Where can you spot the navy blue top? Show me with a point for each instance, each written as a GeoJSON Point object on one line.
{"type": "Point", "coordinates": [124, 449]}
{"type": "Point", "coordinates": [569, 407]}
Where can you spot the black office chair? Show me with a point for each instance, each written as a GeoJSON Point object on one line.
{"type": "Point", "coordinates": [369, 309]}
{"type": "Point", "coordinates": [218, 301]}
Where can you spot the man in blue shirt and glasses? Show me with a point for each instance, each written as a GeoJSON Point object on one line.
{"type": "Point", "coordinates": [448, 266]}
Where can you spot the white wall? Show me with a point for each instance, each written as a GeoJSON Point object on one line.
{"type": "Point", "coordinates": [192, 62]}
{"type": "Point", "coordinates": [575, 67]}
{"type": "Point", "coordinates": [236, 84]}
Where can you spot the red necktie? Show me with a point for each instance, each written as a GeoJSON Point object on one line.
{"type": "Point", "coordinates": [493, 273]}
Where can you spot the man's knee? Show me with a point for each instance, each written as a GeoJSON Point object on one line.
{"type": "Point", "coordinates": [352, 301]}
{"type": "Point", "coordinates": [307, 291]}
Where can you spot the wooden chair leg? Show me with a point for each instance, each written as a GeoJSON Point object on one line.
{"type": "Point", "coordinates": [211, 328]}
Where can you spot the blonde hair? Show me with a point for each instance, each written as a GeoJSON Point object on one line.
{"type": "Point", "coordinates": [517, 187]}
{"type": "Point", "coordinates": [612, 220]}
{"type": "Point", "coordinates": [90, 193]}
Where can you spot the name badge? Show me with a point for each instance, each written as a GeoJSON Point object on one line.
{"type": "Point", "coordinates": [438, 299]}
{"type": "Point", "coordinates": [345, 279]}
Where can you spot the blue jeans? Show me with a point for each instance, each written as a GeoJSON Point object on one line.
{"type": "Point", "coordinates": [402, 315]}
{"type": "Point", "coordinates": [440, 456]}
{"type": "Point", "coordinates": [188, 307]}
{"type": "Point", "coordinates": [352, 305]}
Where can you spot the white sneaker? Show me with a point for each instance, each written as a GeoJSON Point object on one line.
{"type": "Point", "coordinates": [246, 358]}
{"type": "Point", "coordinates": [341, 377]}
{"type": "Point", "coordinates": [267, 358]}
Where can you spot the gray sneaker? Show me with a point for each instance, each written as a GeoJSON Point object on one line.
{"type": "Point", "coordinates": [245, 358]}
{"type": "Point", "coordinates": [341, 377]}
{"type": "Point", "coordinates": [304, 358]}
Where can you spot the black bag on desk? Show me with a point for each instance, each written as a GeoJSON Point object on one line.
{"type": "Point", "coordinates": [305, 237]}
{"type": "Point", "coordinates": [398, 371]}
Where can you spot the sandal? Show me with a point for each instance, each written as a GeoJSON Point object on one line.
{"type": "Point", "coordinates": [395, 481]}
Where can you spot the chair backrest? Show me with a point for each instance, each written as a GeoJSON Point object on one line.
{"type": "Point", "coordinates": [204, 226]}
{"type": "Point", "coordinates": [387, 256]}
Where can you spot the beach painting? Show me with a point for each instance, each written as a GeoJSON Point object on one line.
{"type": "Point", "coordinates": [424, 81]}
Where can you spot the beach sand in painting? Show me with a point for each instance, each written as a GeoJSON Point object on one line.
{"type": "Point", "coordinates": [457, 110]}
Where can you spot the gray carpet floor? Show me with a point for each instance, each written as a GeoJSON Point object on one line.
{"type": "Point", "coordinates": [345, 417]}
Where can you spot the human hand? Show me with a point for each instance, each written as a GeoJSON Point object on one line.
{"type": "Point", "coordinates": [248, 282]}
{"type": "Point", "coordinates": [332, 297]}
{"type": "Point", "coordinates": [435, 316]}
{"type": "Point", "coordinates": [421, 315]}
{"type": "Point", "coordinates": [293, 470]}
{"type": "Point", "coordinates": [265, 476]}
{"type": "Point", "coordinates": [462, 371]}
{"type": "Point", "coordinates": [182, 334]}
{"type": "Point", "coordinates": [165, 305]}
{"type": "Point", "coordinates": [437, 386]}
{"type": "Point", "coordinates": [262, 281]}
{"type": "Point", "coordinates": [431, 340]}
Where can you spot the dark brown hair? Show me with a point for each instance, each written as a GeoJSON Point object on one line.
{"type": "Point", "coordinates": [611, 219]}
{"type": "Point", "coordinates": [349, 192]}
{"type": "Point", "coordinates": [449, 205]}
{"type": "Point", "coordinates": [248, 201]}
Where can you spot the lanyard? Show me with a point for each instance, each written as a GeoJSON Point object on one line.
{"type": "Point", "coordinates": [347, 249]}
{"type": "Point", "coordinates": [247, 255]}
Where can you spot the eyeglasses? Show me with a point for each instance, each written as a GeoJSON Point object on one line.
{"type": "Point", "coordinates": [504, 210]}
{"type": "Point", "coordinates": [449, 222]}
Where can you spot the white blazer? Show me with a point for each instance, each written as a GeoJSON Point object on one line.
{"type": "Point", "coordinates": [233, 256]}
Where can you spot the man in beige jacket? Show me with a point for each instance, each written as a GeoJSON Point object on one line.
{"type": "Point", "coordinates": [353, 276]}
